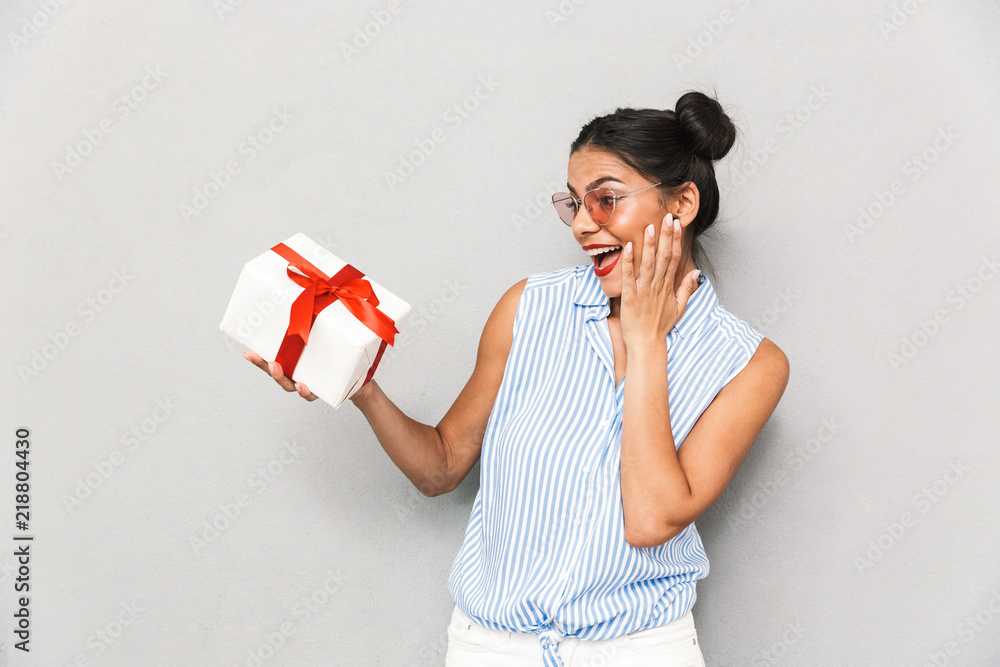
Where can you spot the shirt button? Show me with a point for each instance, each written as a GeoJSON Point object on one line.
{"type": "Point", "coordinates": [604, 423]}
{"type": "Point", "coordinates": [565, 575]}
{"type": "Point", "coordinates": [586, 468]}
{"type": "Point", "coordinates": [576, 522]}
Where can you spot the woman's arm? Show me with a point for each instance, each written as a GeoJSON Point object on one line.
{"type": "Point", "coordinates": [437, 458]}
{"type": "Point", "coordinates": [664, 489]}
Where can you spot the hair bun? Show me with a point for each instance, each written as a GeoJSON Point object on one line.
{"type": "Point", "coordinates": [707, 130]}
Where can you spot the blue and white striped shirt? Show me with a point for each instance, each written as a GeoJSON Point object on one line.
{"type": "Point", "coordinates": [545, 549]}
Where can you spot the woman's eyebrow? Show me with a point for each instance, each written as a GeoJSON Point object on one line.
{"type": "Point", "coordinates": [602, 179]}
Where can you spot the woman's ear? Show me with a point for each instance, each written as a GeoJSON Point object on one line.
{"type": "Point", "coordinates": [684, 204]}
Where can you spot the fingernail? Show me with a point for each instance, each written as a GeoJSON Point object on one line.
{"type": "Point", "coordinates": [677, 224]}
{"type": "Point", "coordinates": [246, 355]}
{"type": "Point", "coordinates": [298, 388]}
{"type": "Point", "coordinates": [270, 367]}
{"type": "Point", "coordinates": [649, 231]}
{"type": "Point", "coordinates": [628, 247]}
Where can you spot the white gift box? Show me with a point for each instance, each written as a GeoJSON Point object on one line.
{"type": "Point", "coordinates": [341, 349]}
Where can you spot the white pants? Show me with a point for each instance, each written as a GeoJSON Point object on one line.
{"type": "Point", "coordinates": [672, 645]}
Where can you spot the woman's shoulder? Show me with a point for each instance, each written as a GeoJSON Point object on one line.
{"type": "Point", "coordinates": [504, 314]}
{"type": "Point", "coordinates": [562, 277]}
{"type": "Point", "coordinates": [508, 302]}
{"type": "Point", "coordinates": [770, 359]}
{"type": "Point", "coordinates": [756, 354]}
{"type": "Point", "coordinates": [764, 376]}
{"type": "Point", "coordinates": [736, 331]}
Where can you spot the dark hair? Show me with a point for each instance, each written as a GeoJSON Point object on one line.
{"type": "Point", "coordinates": [673, 146]}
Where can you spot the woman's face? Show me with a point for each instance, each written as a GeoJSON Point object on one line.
{"type": "Point", "coordinates": [590, 168]}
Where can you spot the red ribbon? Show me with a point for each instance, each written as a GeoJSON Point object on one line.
{"type": "Point", "coordinates": [320, 291]}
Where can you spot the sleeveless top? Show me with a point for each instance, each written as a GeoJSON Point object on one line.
{"type": "Point", "coordinates": [545, 550]}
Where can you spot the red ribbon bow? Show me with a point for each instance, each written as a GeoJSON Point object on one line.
{"type": "Point", "coordinates": [320, 291]}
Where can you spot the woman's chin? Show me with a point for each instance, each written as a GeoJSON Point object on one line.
{"type": "Point", "coordinates": [611, 285]}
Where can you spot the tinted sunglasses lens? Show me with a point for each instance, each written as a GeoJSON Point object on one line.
{"type": "Point", "coordinates": [565, 207]}
{"type": "Point", "coordinates": [600, 204]}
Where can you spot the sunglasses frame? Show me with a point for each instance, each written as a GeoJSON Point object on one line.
{"type": "Point", "coordinates": [579, 202]}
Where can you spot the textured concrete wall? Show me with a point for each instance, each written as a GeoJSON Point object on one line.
{"type": "Point", "coordinates": [187, 511]}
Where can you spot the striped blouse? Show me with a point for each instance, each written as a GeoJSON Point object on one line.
{"type": "Point", "coordinates": [545, 549]}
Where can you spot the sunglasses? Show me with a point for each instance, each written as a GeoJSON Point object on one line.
{"type": "Point", "coordinates": [599, 202]}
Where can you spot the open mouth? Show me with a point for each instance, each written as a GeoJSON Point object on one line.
{"type": "Point", "coordinates": [606, 260]}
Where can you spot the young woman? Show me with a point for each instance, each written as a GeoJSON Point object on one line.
{"type": "Point", "coordinates": [611, 404]}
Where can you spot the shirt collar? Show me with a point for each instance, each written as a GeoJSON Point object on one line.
{"type": "Point", "coordinates": [701, 305]}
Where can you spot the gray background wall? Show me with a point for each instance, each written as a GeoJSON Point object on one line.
{"type": "Point", "coordinates": [862, 528]}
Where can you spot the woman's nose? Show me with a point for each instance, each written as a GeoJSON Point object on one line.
{"type": "Point", "coordinates": [582, 222]}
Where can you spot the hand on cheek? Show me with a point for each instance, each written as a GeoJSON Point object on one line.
{"type": "Point", "coordinates": [650, 306]}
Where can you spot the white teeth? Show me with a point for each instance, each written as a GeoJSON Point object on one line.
{"type": "Point", "coordinates": [598, 251]}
